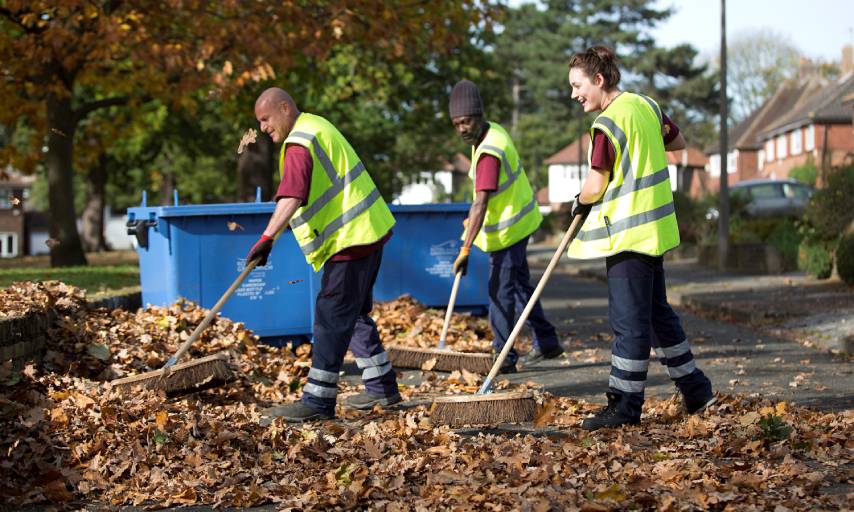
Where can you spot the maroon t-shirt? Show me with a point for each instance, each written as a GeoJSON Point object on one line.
{"type": "Point", "coordinates": [603, 155]}
{"type": "Point", "coordinates": [296, 183]}
{"type": "Point", "coordinates": [487, 171]}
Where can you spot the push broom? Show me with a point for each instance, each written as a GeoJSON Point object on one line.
{"type": "Point", "coordinates": [486, 407]}
{"type": "Point", "coordinates": [446, 360]}
{"type": "Point", "coordinates": [207, 371]}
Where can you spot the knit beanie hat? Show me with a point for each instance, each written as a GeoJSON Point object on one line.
{"type": "Point", "coordinates": [465, 100]}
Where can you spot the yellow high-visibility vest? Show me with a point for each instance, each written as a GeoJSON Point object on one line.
{"type": "Point", "coordinates": [512, 212]}
{"type": "Point", "coordinates": [344, 206]}
{"type": "Point", "coordinates": [636, 213]}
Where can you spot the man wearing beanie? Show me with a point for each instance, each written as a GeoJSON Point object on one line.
{"type": "Point", "coordinates": [502, 217]}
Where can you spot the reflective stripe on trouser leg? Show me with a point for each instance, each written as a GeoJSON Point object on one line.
{"type": "Point", "coordinates": [672, 345]}
{"type": "Point", "coordinates": [629, 306]}
{"type": "Point", "coordinates": [345, 286]}
{"type": "Point", "coordinates": [377, 374]}
{"type": "Point", "coordinates": [371, 357]}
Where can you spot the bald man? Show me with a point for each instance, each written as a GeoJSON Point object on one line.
{"type": "Point", "coordinates": [341, 223]}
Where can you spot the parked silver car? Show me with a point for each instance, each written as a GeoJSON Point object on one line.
{"type": "Point", "coordinates": [769, 198]}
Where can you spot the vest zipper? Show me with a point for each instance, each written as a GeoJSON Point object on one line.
{"type": "Point", "coordinates": [608, 228]}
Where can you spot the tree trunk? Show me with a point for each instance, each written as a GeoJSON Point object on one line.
{"type": "Point", "coordinates": [92, 225]}
{"type": "Point", "coordinates": [255, 168]}
{"type": "Point", "coordinates": [65, 247]}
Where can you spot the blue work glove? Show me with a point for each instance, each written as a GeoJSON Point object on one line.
{"type": "Point", "coordinates": [579, 208]}
{"type": "Point", "coordinates": [261, 250]}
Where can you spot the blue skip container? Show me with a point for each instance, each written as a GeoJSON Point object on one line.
{"type": "Point", "coordinates": [196, 251]}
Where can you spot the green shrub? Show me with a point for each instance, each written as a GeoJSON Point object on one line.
{"type": "Point", "coordinates": [815, 257]}
{"type": "Point", "coordinates": [806, 173]}
{"type": "Point", "coordinates": [829, 210]}
{"type": "Point", "coordinates": [786, 238]}
{"type": "Point", "coordinates": [845, 258]}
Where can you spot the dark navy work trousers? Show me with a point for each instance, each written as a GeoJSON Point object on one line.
{"type": "Point", "coordinates": [341, 319]}
{"type": "Point", "coordinates": [509, 291]}
{"type": "Point", "coordinates": [641, 319]}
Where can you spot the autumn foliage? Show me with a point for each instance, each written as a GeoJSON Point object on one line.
{"type": "Point", "coordinates": [67, 440]}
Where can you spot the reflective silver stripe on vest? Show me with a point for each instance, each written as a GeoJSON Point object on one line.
{"type": "Point", "coordinates": [504, 224]}
{"type": "Point", "coordinates": [374, 360]}
{"type": "Point", "coordinates": [376, 371]}
{"type": "Point", "coordinates": [320, 391]}
{"type": "Point", "coordinates": [654, 107]}
{"type": "Point", "coordinates": [627, 187]}
{"type": "Point", "coordinates": [638, 219]}
{"type": "Point", "coordinates": [680, 371]}
{"type": "Point", "coordinates": [676, 350]}
{"type": "Point", "coordinates": [336, 188]}
{"type": "Point", "coordinates": [620, 135]}
{"type": "Point", "coordinates": [359, 208]}
{"type": "Point", "coordinates": [627, 386]}
{"type": "Point", "coordinates": [325, 162]}
{"type": "Point", "coordinates": [629, 365]}
{"type": "Point", "coordinates": [511, 174]}
{"type": "Point", "coordinates": [323, 376]}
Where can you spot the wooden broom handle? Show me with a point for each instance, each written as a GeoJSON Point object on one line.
{"type": "Point", "coordinates": [565, 241]}
{"type": "Point", "coordinates": [450, 310]}
{"type": "Point", "coordinates": [211, 314]}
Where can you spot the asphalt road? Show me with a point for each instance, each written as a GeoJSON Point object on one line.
{"type": "Point", "coordinates": [735, 358]}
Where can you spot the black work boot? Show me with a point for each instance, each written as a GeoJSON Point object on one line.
{"type": "Point", "coordinates": [367, 400]}
{"type": "Point", "coordinates": [536, 355]}
{"type": "Point", "coordinates": [609, 417]}
{"type": "Point", "coordinates": [296, 412]}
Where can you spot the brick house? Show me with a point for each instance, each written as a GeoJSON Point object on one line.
{"type": "Point", "coordinates": [743, 154]}
{"type": "Point", "coordinates": [819, 131]}
{"type": "Point", "coordinates": [14, 192]}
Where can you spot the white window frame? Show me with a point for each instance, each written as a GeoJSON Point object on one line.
{"type": "Point", "coordinates": [782, 149]}
{"type": "Point", "coordinates": [760, 160]}
{"type": "Point", "coordinates": [12, 250]}
{"type": "Point", "coordinates": [809, 138]}
{"type": "Point", "coordinates": [769, 150]}
{"type": "Point", "coordinates": [715, 164]}
{"type": "Point", "coordinates": [732, 162]}
{"type": "Point", "coordinates": [796, 142]}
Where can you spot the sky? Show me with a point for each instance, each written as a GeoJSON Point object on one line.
{"type": "Point", "coordinates": [819, 28]}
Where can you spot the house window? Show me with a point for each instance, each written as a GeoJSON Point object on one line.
{"type": "Point", "coordinates": [781, 147]}
{"type": "Point", "coordinates": [809, 138]}
{"type": "Point", "coordinates": [8, 245]}
{"type": "Point", "coordinates": [715, 165]}
{"type": "Point", "coordinates": [760, 162]}
{"type": "Point", "coordinates": [732, 162]}
{"type": "Point", "coordinates": [796, 142]}
{"type": "Point", "coordinates": [769, 150]}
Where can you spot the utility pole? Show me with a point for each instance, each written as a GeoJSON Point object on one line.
{"type": "Point", "coordinates": [723, 207]}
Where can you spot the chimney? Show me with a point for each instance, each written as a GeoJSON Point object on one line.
{"type": "Point", "coordinates": [847, 64]}
{"type": "Point", "coordinates": [806, 68]}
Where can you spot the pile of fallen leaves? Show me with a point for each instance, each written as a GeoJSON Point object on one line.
{"type": "Point", "coordinates": [406, 322]}
{"type": "Point", "coordinates": [66, 439]}
{"type": "Point", "coordinates": [26, 297]}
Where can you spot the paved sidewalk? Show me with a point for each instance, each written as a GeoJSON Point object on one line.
{"type": "Point", "coordinates": [818, 313]}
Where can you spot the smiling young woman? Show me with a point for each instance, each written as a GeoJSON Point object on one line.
{"type": "Point", "coordinates": [631, 222]}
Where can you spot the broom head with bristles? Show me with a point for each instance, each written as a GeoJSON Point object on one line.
{"type": "Point", "coordinates": [488, 409]}
{"type": "Point", "coordinates": [438, 359]}
{"type": "Point", "coordinates": [193, 375]}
